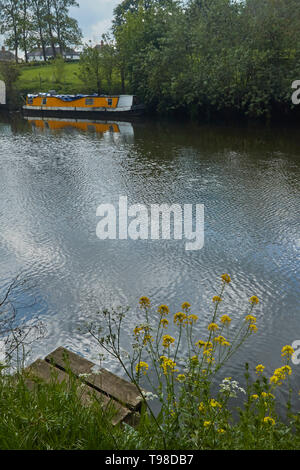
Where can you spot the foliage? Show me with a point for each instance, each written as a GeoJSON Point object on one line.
{"type": "Point", "coordinates": [193, 413]}
{"type": "Point", "coordinates": [28, 24]}
{"type": "Point", "coordinates": [210, 56]}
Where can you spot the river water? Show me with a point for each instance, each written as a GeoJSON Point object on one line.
{"type": "Point", "coordinates": [53, 177]}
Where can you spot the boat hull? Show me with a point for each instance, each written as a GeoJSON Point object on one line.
{"type": "Point", "coordinates": [86, 114]}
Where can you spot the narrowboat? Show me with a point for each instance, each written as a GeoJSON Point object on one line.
{"type": "Point", "coordinates": [83, 106]}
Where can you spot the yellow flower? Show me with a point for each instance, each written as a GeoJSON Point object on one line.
{"type": "Point", "coordinates": [200, 343]}
{"type": "Point", "coordinates": [163, 310]}
{"type": "Point", "coordinates": [167, 341]}
{"type": "Point", "coordinates": [194, 360]}
{"type": "Point", "coordinates": [213, 327]}
{"type": "Point", "coordinates": [192, 319]}
{"type": "Point", "coordinates": [260, 368]}
{"type": "Point", "coordinates": [144, 302]}
{"type": "Point", "coordinates": [280, 375]}
{"type": "Point", "coordinates": [253, 328]}
{"type": "Point", "coordinates": [206, 424]}
{"type": "Point", "coordinates": [251, 319]}
{"type": "Point", "coordinates": [185, 306]}
{"type": "Point", "coordinates": [179, 317]}
{"type": "Point", "coordinates": [269, 420]}
{"type": "Point", "coordinates": [147, 339]}
{"type": "Point", "coordinates": [168, 365]}
{"type": "Point", "coordinates": [164, 322]}
{"type": "Point", "coordinates": [221, 431]}
{"type": "Point", "coordinates": [181, 378]}
{"type": "Point", "coordinates": [222, 341]}
{"type": "Point", "coordinates": [255, 397]}
{"type": "Point", "coordinates": [137, 330]}
{"type": "Point", "coordinates": [202, 408]}
{"type": "Point", "coordinates": [215, 404]}
{"type": "Point", "coordinates": [287, 351]}
{"type": "Point", "coordinates": [254, 300]}
{"type": "Point", "coordinates": [267, 395]}
{"type": "Point", "coordinates": [287, 370]}
{"type": "Point", "coordinates": [225, 319]}
{"type": "Point", "coordinates": [216, 298]}
{"type": "Point", "coordinates": [226, 278]}
{"type": "Point", "coordinates": [142, 367]}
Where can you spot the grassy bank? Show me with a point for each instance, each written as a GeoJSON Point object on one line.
{"type": "Point", "coordinates": [51, 417]}
{"type": "Point", "coordinates": [195, 412]}
{"type": "Point", "coordinates": [42, 79]}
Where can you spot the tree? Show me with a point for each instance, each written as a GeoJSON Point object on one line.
{"type": "Point", "coordinates": [90, 68]}
{"type": "Point", "coordinates": [10, 23]}
{"type": "Point", "coordinates": [39, 24]}
{"type": "Point", "coordinates": [66, 28]}
{"type": "Point", "coordinates": [26, 26]}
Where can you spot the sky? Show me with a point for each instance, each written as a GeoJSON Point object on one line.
{"type": "Point", "coordinates": [94, 17]}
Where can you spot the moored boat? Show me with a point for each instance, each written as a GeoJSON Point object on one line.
{"type": "Point", "coordinates": [84, 106]}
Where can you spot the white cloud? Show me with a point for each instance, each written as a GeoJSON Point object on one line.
{"type": "Point", "coordinates": [94, 17]}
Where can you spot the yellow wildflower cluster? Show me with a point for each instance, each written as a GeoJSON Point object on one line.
{"type": "Point", "coordinates": [164, 322]}
{"type": "Point", "coordinates": [163, 310]}
{"type": "Point", "coordinates": [222, 341]}
{"type": "Point", "coordinates": [212, 327]}
{"type": "Point", "coordinates": [250, 319]}
{"type": "Point", "coordinates": [269, 420]}
{"type": "Point", "coordinates": [216, 298]}
{"type": "Point", "coordinates": [168, 365]}
{"type": "Point", "coordinates": [280, 375]}
{"type": "Point", "coordinates": [192, 319]}
{"type": "Point", "coordinates": [142, 367]}
{"type": "Point", "coordinates": [254, 300]}
{"type": "Point", "coordinates": [287, 351]}
{"type": "Point", "coordinates": [215, 404]}
{"type": "Point", "coordinates": [260, 368]}
{"type": "Point", "coordinates": [226, 320]}
{"type": "Point", "coordinates": [226, 278]}
{"type": "Point", "coordinates": [253, 328]}
{"type": "Point", "coordinates": [144, 302]}
{"type": "Point", "coordinates": [179, 318]}
{"type": "Point", "coordinates": [167, 341]}
{"type": "Point", "coordinates": [201, 408]}
{"type": "Point", "coordinates": [181, 378]}
{"type": "Point", "coordinates": [186, 306]}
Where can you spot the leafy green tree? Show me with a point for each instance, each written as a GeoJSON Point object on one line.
{"type": "Point", "coordinates": [90, 69]}
{"type": "Point", "coordinates": [10, 23]}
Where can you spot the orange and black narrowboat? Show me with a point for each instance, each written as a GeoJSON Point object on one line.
{"type": "Point", "coordinates": [83, 106]}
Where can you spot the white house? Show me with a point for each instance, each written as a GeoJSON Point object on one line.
{"type": "Point", "coordinates": [2, 93]}
{"type": "Point", "coordinates": [37, 54]}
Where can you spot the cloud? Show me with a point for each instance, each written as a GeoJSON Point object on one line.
{"type": "Point", "coordinates": [94, 17]}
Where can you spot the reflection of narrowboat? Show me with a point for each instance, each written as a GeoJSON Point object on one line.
{"type": "Point", "coordinates": [102, 127]}
{"type": "Point", "coordinates": [83, 106]}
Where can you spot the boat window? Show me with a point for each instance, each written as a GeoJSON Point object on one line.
{"type": "Point", "coordinates": [89, 101]}
{"type": "Point", "coordinates": [44, 101]}
{"type": "Point", "coordinates": [109, 102]}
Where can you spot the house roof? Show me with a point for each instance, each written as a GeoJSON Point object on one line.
{"type": "Point", "coordinates": [49, 52]}
{"type": "Point", "coordinates": [6, 55]}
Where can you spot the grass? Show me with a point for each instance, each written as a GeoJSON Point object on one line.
{"type": "Point", "coordinates": [42, 79]}
{"type": "Point", "coordinates": [51, 417]}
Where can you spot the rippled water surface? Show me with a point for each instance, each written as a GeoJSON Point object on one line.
{"type": "Point", "coordinates": [53, 177]}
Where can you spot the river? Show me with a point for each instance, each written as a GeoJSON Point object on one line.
{"type": "Point", "coordinates": [53, 177]}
